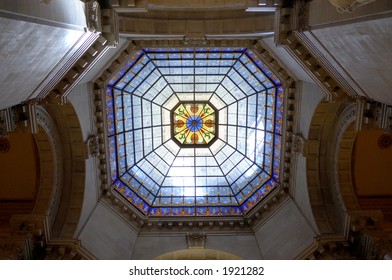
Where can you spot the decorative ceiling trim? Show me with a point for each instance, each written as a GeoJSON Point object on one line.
{"type": "Point", "coordinates": [51, 167]}
{"type": "Point", "coordinates": [291, 24]}
{"type": "Point", "coordinates": [195, 28]}
{"type": "Point", "coordinates": [331, 192]}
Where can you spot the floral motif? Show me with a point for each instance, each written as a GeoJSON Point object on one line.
{"type": "Point", "coordinates": [194, 123]}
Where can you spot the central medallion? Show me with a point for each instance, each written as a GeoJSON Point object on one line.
{"type": "Point", "coordinates": [194, 124]}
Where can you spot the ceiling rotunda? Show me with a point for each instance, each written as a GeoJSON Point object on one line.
{"type": "Point", "coordinates": [194, 131]}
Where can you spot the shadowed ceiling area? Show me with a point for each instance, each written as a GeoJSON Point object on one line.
{"type": "Point", "coordinates": [18, 175]}
{"type": "Point", "coordinates": [372, 166]}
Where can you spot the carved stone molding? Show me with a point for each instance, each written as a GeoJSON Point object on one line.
{"type": "Point", "coordinates": [66, 249]}
{"type": "Point", "coordinates": [290, 25]}
{"type": "Point", "coordinates": [298, 146]}
{"type": "Point", "coordinates": [92, 146]}
{"type": "Point", "coordinates": [46, 122]}
{"type": "Point", "coordinates": [182, 43]}
{"type": "Point", "coordinates": [8, 121]}
{"type": "Point", "coordinates": [301, 15]}
{"type": "Point", "coordinates": [196, 240]}
{"type": "Point", "coordinates": [343, 126]}
{"type": "Point", "coordinates": [348, 6]}
{"type": "Point", "coordinates": [374, 115]}
{"type": "Point", "coordinates": [373, 244]}
{"type": "Point", "coordinates": [93, 16]}
{"type": "Point", "coordinates": [16, 247]}
{"type": "Point", "coordinates": [213, 29]}
{"type": "Point", "coordinates": [381, 249]}
{"type": "Point", "coordinates": [201, 4]}
{"type": "Point", "coordinates": [332, 250]}
{"type": "Point", "coordinates": [195, 42]}
{"type": "Point", "coordinates": [383, 117]}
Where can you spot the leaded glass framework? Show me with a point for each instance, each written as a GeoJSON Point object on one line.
{"type": "Point", "coordinates": [194, 124]}
{"type": "Point", "coordinates": [227, 175]}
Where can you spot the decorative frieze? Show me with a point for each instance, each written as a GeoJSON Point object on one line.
{"type": "Point", "coordinates": [195, 42]}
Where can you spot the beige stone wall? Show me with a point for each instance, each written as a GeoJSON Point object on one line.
{"type": "Point", "coordinates": [107, 236]}
{"type": "Point", "coordinates": [285, 235]}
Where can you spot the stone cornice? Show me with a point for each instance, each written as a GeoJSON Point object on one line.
{"type": "Point", "coordinates": [243, 27]}
{"type": "Point", "coordinates": [289, 32]}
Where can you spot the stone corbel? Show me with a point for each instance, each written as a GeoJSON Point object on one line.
{"type": "Point", "coordinates": [92, 146]}
{"type": "Point", "coordinates": [301, 15]}
{"type": "Point", "coordinates": [299, 145]}
{"type": "Point", "coordinates": [93, 16]}
{"type": "Point", "coordinates": [196, 240]}
{"type": "Point", "coordinates": [289, 19]}
{"type": "Point", "coordinates": [110, 27]}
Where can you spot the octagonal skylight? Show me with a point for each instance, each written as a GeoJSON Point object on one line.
{"type": "Point", "coordinates": [228, 157]}
{"type": "Point", "coordinates": [194, 124]}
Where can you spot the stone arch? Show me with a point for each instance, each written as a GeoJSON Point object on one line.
{"type": "Point", "coordinates": [329, 147]}
{"type": "Point", "coordinates": [198, 254]}
{"type": "Point", "coordinates": [72, 167]}
{"type": "Point", "coordinates": [60, 164]}
{"type": "Point", "coordinates": [50, 160]}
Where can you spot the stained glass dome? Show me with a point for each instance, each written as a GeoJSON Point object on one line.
{"type": "Point", "coordinates": [194, 131]}
{"type": "Point", "coordinates": [194, 124]}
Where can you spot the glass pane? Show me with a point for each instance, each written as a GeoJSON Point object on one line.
{"type": "Point", "coordinates": [194, 128]}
